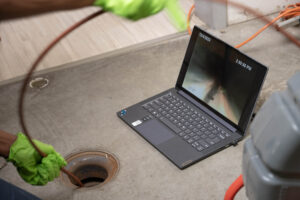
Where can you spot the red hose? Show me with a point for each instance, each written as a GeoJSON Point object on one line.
{"type": "Point", "coordinates": [234, 188]}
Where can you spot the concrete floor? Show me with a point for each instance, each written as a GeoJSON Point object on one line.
{"type": "Point", "coordinates": [78, 110]}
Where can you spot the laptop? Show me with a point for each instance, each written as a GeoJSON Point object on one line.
{"type": "Point", "coordinates": [210, 107]}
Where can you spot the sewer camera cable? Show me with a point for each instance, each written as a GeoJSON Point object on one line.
{"type": "Point", "coordinates": [28, 77]}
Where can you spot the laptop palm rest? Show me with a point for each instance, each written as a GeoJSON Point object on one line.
{"type": "Point", "coordinates": [155, 132]}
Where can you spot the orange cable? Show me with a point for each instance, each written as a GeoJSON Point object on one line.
{"type": "Point", "coordinates": [189, 19]}
{"type": "Point", "coordinates": [289, 12]}
{"type": "Point", "coordinates": [234, 188]}
{"type": "Point", "coordinates": [266, 26]}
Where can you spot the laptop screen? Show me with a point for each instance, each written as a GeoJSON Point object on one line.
{"type": "Point", "coordinates": [222, 77]}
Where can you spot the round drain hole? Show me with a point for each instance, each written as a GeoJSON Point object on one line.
{"type": "Point", "coordinates": [39, 83]}
{"type": "Point", "coordinates": [93, 168]}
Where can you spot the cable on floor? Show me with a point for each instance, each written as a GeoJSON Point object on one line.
{"type": "Point", "coordinates": [289, 12]}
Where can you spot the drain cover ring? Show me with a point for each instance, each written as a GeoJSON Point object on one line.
{"type": "Point", "coordinates": [93, 168]}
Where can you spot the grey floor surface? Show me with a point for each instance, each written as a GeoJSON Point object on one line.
{"type": "Point", "coordinates": [78, 110]}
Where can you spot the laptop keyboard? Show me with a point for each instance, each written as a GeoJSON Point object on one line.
{"type": "Point", "coordinates": [192, 126]}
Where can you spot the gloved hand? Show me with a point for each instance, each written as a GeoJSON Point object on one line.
{"type": "Point", "coordinates": [31, 166]}
{"type": "Point", "coordinates": [137, 9]}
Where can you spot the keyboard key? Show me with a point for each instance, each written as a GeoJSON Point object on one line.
{"type": "Point", "coordinates": [186, 137]}
{"type": "Point", "coordinates": [203, 143]}
{"type": "Point", "coordinates": [216, 140]}
{"type": "Point", "coordinates": [210, 141]}
{"type": "Point", "coordinates": [192, 134]}
{"type": "Point", "coordinates": [154, 105]}
{"type": "Point", "coordinates": [195, 144]}
{"type": "Point", "coordinates": [221, 136]}
{"type": "Point", "coordinates": [191, 140]}
{"type": "Point", "coordinates": [154, 112]}
{"type": "Point", "coordinates": [196, 137]}
{"type": "Point", "coordinates": [207, 132]}
{"type": "Point", "coordinates": [199, 126]}
{"type": "Point", "coordinates": [200, 148]}
{"type": "Point", "coordinates": [175, 114]}
{"type": "Point", "coordinates": [181, 134]}
{"type": "Point", "coordinates": [186, 123]}
{"type": "Point", "coordinates": [203, 136]}
{"type": "Point", "coordinates": [146, 107]}
{"type": "Point", "coordinates": [158, 102]}
{"type": "Point", "coordinates": [187, 131]}
{"type": "Point", "coordinates": [195, 123]}
{"type": "Point", "coordinates": [211, 136]}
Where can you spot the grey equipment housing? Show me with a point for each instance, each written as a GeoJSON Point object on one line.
{"type": "Point", "coordinates": [271, 157]}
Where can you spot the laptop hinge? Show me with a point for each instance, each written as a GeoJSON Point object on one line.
{"type": "Point", "coordinates": [207, 111]}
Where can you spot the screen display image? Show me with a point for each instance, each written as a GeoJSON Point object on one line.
{"type": "Point", "coordinates": [219, 76]}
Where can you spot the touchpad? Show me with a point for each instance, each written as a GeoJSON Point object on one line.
{"type": "Point", "coordinates": [155, 132]}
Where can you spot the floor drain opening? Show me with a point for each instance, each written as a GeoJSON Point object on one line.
{"type": "Point", "coordinates": [90, 175]}
{"type": "Point", "coordinates": [93, 168]}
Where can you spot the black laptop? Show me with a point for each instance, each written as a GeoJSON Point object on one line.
{"type": "Point", "coordinates": [209, 108]}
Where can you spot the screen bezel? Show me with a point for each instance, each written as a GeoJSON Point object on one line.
{"type": "Point", "coordinates": [258, 79]}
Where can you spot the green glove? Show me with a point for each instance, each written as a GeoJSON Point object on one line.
{"type": "Point", "coordinates": [31, 166]}
{"type": "Point", "coordinates": [137, 9]}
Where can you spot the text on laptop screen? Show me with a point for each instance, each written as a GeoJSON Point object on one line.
{"type": "Point", "coordinates": [220, 76]}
